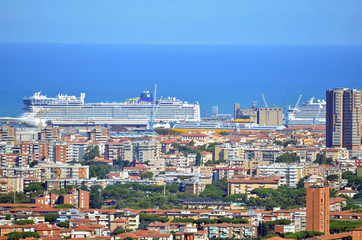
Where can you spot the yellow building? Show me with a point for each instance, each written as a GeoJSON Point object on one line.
{"type": "Point", "coordinates": [246, 185]}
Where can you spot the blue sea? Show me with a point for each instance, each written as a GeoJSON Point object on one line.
{"type": "Point", "coordinates": [213, 75]}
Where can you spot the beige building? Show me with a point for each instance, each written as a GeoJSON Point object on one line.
{"type": "Point", "coordinates": [264, 116]}
{"type": "Point", "coordinates": [270, 116]}
{"type": "Point", "coordinates": [56, 171]}
{"type": "Point", "coordinates": [246, 185]}
{"type": "Point", "coordinates": [11, 184]}
{"type": "Point", "coordinates": [118, 150]}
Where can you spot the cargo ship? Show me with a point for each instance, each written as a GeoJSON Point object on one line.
{"type": "Point", "coordinates": [64, 110]}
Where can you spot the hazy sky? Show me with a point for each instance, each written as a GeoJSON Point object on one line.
{"type": "Point", "coordinates": [187, 22]}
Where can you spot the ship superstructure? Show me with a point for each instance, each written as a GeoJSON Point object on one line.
{"type": "Point", "coordinates": [310, 112]}
{"type": "Point", "coordinates": [71, 110]}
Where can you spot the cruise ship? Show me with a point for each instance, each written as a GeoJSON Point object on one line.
{"type": "Point", "coordinates": [310, 112]}
{"type": "Point", "coordinates": [64, 110]}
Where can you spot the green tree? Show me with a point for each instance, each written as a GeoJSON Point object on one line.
{"type": "Point", "coordinates": [91, 152]}
{"type": "Point", "coordinates": [175, 145]}
{"type": "Point", "coordinates": [321, 159]}
{"type": "Point", "coordinates": [339, 226]}
{"type": "Point", "coordinates": [95, 197]}
{"type": "Point", "coordinates": [127, 238]}
{"type": "Point", "coordinates": [34, 187]}
{"type": "Point", "coordinates": [152, 218]}
{"type": "Point", "coordinates": [211, 191]}
{"type": "Point", "coordinates": [147, 175]}
{"type": "Point", "coordinates": [18, 235]}
{"type": "Point", "coordinates": [63, 224]}
{"type": "Point", "coordinates": [183, 220]}
{"type": "Point", "coordinates": [262, 229]}
{"type": "Point", "coordinates": [65, 205]}
{"type": "Point", "coordinates": [289, 142]}
{"type": "Point", "coordinates": [122, 163]}
{"type": "Point", "coordinates": [241, 197]}
{"type": "Point", "coordinates": [279, 222]}
{"type": "Point", "coordinates": [288, 158]}
{"type": "Point", "coordinates": [354, 181]}
{"type": "Point", "coordinates": [198, 159]}
{"type": "Point", "coordinates": [119, 230]}
{"type": "Point", "coordinates": [23, 222]}
{"type": "Point", "coordinates": [333, 177]}
{"type": "Point", "coordinates": [50, 217]}
{"type": "Point", "coordinates": [99, 170]}
{"type": "Point", "coordinates": [303, 234]}
{"type": "Point", "coordinates": [300, 183]}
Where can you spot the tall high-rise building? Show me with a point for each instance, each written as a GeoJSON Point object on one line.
{"type": "Point", "coordinates": [318, 209]}
{"type": "Point", "coordinates": [343, 116]}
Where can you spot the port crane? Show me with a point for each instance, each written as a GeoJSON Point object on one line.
{"type": "Point", "coordinates": [296, 105]}
{"type": "Point", "coordinates": [265, 103]}
{"type": "Point", "coordinates": [293, 111]}
{"type": "Point", "coordinates": [317, 117]}
{"type": "Point", "coordinates": [8, 121]}
{"type": "Point", "coordinates": [154, 109]}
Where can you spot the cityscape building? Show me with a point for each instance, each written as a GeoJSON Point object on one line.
{"type": "Point", "coordinates": [318, 209]}
{"type": "Point", "coordinates": [343, 118]}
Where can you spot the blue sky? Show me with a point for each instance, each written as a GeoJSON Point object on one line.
{"type": "Point", "coordinates": [295, 22]}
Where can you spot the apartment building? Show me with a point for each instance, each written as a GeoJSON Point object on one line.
{"type": "Point", "coordinates": [246, 185]}
{"type": "Point", "coordinates": [318, 209]}
{"type": "Point", "coordinates": [61, 170]}
{"type": "Point", "coordinates": [99, 134]}
{"type": "Point", "coordinates": [50, 134]}
{"type": "Point", "coordinates": [231, 231]}
{"type": "Point", "coordinates": [292, 173]}
{"type": "Point", "coordinates": [119, 150]}
{"type": "Point", "coordinates": [227, 173]}
{"type": "Point", "coordinates": [343, 118]}
{"type": "Point", "coordinates": [78, 198]}
{"type": "Point", "coordinates": [11, 184]}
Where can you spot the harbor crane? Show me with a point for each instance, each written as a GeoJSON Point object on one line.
{"type": "Point", "coordinates": [296, 105]}
{"type": "Point", "coordinates": [319, 110]}
{"type": "Point", "coordinates": [265, 103]}
{"type": "Point", "coordinates": [292, 111]}
{"type": "Point", "coordinates": [8, 121]}
{"type": "Point", "coordinates": [152, 115]}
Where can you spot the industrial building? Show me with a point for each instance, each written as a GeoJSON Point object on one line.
{"type": "Point", "coordinates": [264, 116]}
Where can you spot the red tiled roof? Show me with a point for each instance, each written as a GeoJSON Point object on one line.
{"type": "Point", "coordinates": [120, 220]}
{"type": "Point", "coordinates": [158, 224]}
{"type": "Point", "coordinates": [96, 226]}
{"type": "Point", "coordinates": [83, 228]}
{"type": "Point", "coordinates": [205, 152]}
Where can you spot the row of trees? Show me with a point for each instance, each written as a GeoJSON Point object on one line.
{"type": "Point", "coordinates": [138, 196]}
{"type": "Point", "coordinates": [284, 198]}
